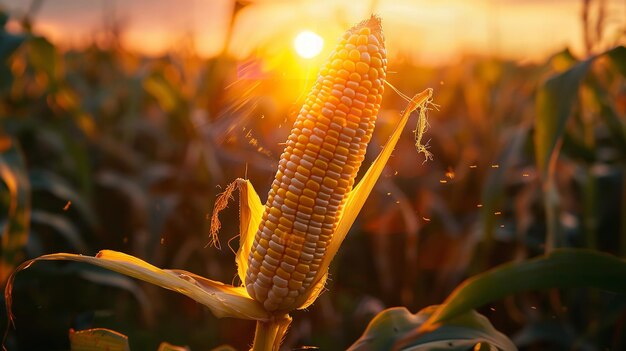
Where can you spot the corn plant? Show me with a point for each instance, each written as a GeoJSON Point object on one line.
{"type": "Point", "coordinates": [287, 245]}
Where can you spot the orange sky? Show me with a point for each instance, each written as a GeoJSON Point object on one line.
{"type": "Point", "coordinates": [430, 32]}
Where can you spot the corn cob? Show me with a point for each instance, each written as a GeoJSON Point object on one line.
{"type": "Point", "coordinates": [317, 169]}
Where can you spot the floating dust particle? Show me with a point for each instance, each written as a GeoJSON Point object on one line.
{"type": "Point", "coordinates": [397, 201]}
{"type": "Point", "coordinates": [426, 219]}
{"type": "Point", "coordinates": [473, 166]}
{"type": "Point", "coordinates": [497, 213]}
{"type": "Point", "coordinates": [492, 309]}
{"type": "Point", "coordinates": [525, 175]}
{"type": "Point", "coordinates": [264, 151]}
{"type": "Point", "coordinates": [255, 143]}
{"type": "Point", "coordinates": [495, 166]}
{"type": "Point", "coordinates": [395, 173]}
{"type": "Point", "coordinates": [67, 206]}
{"type": "Point", "coordinates": [533, 307]}
{"type": "Point", "coordinates": [501, 225]}
{"type": "Point", "coordinates": [162, 241]}
{"type": "Point", "coordinates": [388, 194]}
{"type": "Point", "coordinates": [479, 205]}
{"type": "Point", "coordinates": [443, 181]}
{"type": "Point", "coordinates": [450, 173]}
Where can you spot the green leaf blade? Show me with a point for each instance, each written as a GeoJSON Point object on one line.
{"type": "Point", "coordinates": [397, 329]}
{"type": "Point", "coordinates": [563, 268]}
{"type": "Point", "coordinates": [554, 102]}
{"type": "Point", "coordinates": [98, 339]}
{"type": "Point", "coordinates": [15, 232]}
{"type": "Point", "coordinates": [618, 56]}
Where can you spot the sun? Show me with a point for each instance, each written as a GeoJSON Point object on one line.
{"type": "Point", "coordinates": [308, 44]}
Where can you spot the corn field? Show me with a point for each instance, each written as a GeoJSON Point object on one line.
{"type": "Point", "coordinates": [368, 202]}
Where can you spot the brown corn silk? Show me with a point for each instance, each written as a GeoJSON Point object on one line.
{"type": "Point", "coordinates": [317, 169]}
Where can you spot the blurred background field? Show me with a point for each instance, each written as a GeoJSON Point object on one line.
{"type": "Point", "coordinates": [120, 122]}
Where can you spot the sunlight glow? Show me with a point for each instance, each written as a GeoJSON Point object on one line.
{"type": "Point", "coordinates": [308, 44]}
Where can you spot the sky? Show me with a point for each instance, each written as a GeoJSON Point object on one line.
{"type": "Point", "coordinates": [426, 31]}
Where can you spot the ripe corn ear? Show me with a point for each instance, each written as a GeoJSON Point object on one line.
{"type": "Point", "coordinates": [317, 169]}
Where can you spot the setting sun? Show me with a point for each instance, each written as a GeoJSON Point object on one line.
{"type": "Point", "coordinates": [329, 174]}
{"type": "Point", "coordinates": [308, 44]}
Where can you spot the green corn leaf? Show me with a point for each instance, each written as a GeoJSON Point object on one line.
{"type": "Point", "coordinates": [43, 56]}
{"type": "Point", "coordinates": [554, 102]}
{"type": "Point", "coordinates": [616, 126]}
{"type": "Point", "coordinates": [6, 78]}
{"type": "Point", "coordinates": [16, 227]}
{"type": "Point", "coordinates": [398, 329]}
{"type": "Point", "coordinates": [618, 56]}
{"type": "Point", "coordinates": [162, 90]}
{"type": "Point", "coordinates": [555, 99]}
{"type": "Point", "coordinates": [9, 43]}
{"type": "Point", "coordinates": [563, 268]}
{"type": "Point", "coordinates": [98, 340]}
{"type": "Point", "coordinates": [224, 348]}
{"type": "Point", "coordinates": [169, 347]}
